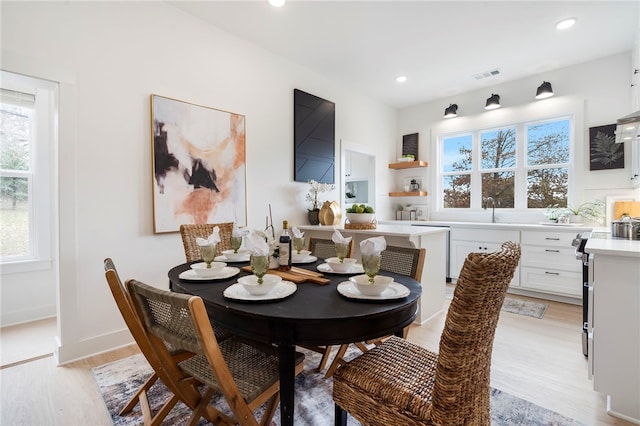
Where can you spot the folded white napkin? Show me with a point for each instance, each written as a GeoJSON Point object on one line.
{"type": "Point", "coordinates": [239, 232]}
{"type": "Point", "coordinates": [256, 244]}
{"type": "Point", "coordinates": [213, 239]}
{"type": "Point", "coordinates": [296, 232]}
{"type": "Point", "coordinates": [339, 239]}
{"type": "Point", "coordinates": [373, 246]}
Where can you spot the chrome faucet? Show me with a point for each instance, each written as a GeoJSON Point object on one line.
{"type": "Point", "coordinates": [493, 208]}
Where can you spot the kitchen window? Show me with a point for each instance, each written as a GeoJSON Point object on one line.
{"type": "Point", "coordinates": [519, 166]}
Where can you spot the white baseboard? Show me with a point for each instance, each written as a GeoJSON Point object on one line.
{"type": "Point", "coordinates": [74, 351]}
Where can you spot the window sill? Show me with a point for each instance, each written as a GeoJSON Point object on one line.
{"type": "Point", "coordinates": [24, 266]}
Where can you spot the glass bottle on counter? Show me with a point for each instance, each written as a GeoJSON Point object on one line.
{"type": "Point", "coordinates": [284, 246]}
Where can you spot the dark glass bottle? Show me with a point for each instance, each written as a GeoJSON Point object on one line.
{"type": "Point", "coordinates": [284, 258]}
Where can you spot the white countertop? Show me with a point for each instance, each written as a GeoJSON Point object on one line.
{"type": "Point", "coordinates": [404, 230]}
{"type": "Point", "coordinates": [614, 247]}
{"type": "Point", "coordinates": [488, 225]}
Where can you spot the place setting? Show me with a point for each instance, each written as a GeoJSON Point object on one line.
{"type": "Point", "coordinates": [341, 264]}
{"type": "Point", "coordinates": [209, 269]}
{"type": "Point", "coordinates": [370, 286]}
{"type": "Point", "coordinates": [260, 286]}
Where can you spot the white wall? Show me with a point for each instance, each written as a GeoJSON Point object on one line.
{"type": "Point", "coordinates": [109, 57]}
{"type": "Point", "coordinates": [603, 86]}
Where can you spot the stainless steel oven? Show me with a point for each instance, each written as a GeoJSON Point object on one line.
{"type": "Point", "coordinates": [587, 287]}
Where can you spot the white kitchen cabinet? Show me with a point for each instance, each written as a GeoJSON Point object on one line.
{"type": "Point", "coordinates": [467, 240]}
{"type": "Point", "coordinates": [548, 263]}
{"type": "Point", "coordinates": [614, 353]}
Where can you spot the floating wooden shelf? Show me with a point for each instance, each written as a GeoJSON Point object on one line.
{"type": "Point", "coordinates": [409, 194]}
{"type": "Point", "coordinates": [408, 165]}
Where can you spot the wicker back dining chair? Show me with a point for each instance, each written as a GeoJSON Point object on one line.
{"type": "Point", "coordinates": [123, 301]}
{"type": "Point", "coordinates": [245, 372]}
{"type": "Point", "coordinates": [324, 249]}
{"type": "Point", "coordinates": [402, 383]}
{"type": "Point", "coordinates": [400, 260]}
{"type": "Point", "coordinates": [190, 232]}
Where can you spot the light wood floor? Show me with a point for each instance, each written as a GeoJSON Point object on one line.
{"type": "Point", "coordinates": [27, 342]}
{"type": "Point", "coordinates": [539, 360]}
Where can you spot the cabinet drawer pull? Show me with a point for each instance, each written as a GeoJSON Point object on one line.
{"type": "Point", "coordinates": [552, 238]}
{"type": "Point", "coordinates": [552, 251]}
{"type": "Point", "coordinates": [552, 273]}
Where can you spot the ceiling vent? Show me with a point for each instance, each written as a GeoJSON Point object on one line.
{"type": "Point", "coordinates": [486, 74]}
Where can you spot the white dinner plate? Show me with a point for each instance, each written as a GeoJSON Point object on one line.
{"type": "Point", "coordinates": [280, 291]}
{"type": "Point", "coordinates": [308, 259]}
{"type": "Point", "coordinates": [394, 291]}
{"type": "Point", "coordinates": [223, 258]}
{"type": "Point", "coordinates": [226, 272]}
{"type": "Point", "coordinates": [354, 269]}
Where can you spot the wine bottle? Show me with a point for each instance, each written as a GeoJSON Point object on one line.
{"type": "Point", "coordinates": [284, 258]}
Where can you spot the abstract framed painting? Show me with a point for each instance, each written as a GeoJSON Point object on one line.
{"type": "Point", "coordinates": [199, 170]}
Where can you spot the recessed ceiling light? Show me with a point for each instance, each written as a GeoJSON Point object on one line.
{"type": "Point", "coordinates": [401, 78]}
{"type": "Point", "coordinates": [277, 3]}
{"type": "Point", "coordinates": [566, 23]}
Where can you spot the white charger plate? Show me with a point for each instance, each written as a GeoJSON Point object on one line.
{"type": "Point", "coordinates": [394, 291]}
{"type": "Point", "coordinates": [308, 259]}
{"type": "Point", "coordinates": [280, 291]}
{"type": "Point", "coordinates": [226, 272]}
{"type": "Point", "coordinates": [353, 269]}
{"type": "Point", "coordinates": [223, 258]}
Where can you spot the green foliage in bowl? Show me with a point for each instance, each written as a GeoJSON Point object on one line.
{"type": "Point", "coordinates": [360, 208]}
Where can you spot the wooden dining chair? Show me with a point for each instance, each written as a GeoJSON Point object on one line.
{"type": "Point", "coordinates": [123, 301]}
{"type": "Point", "coordinates": [245, 372]}
{"type": "Point", "coordinates": [324, 249]}
{"type": "Point", "coordinates": [402, 383]}
{"type": "Point", "coordinates": [400, 260]}
{"type": "Point", "coordinates": [189, 233]}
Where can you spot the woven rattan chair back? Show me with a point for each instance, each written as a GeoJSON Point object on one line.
{"type": "Point", "coordinates": [324, 249]}
{"type": "Point", "coordinates": [246, 373]}
{"type": "Point", "coordinates": [124, 303]}
{"type": "Point", "coordinates": [190, 232]}
{"type": "Point", "coordinates": [403, 260]}
{"type": "Point", "coordinates": [402, 383]}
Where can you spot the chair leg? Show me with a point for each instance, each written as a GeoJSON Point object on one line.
{"type": "Point", "coordinates": [136, 397]}
{"type": "Point", "coordinates": [340, 416]}
{"type": "Point", "coordinates": [202, 406]}
{"type": "Point", "coordinates": [324, 359]}
{"type": "Point", "coordinates": [164, 411]}
{"type": "Point", "coordinates": [270, 410]}
{"type": "Point", "coordinates": [338, 360]}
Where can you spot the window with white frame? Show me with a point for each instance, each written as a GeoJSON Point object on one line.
{"type": "Point", "coordinates": [27, 138]}
{"type": "Point", "coordinates": [519, 166]}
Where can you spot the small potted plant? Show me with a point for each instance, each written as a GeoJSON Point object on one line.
{"type": "Point", "coordinates": [553, 212]}
{"type": "Point", "coordinates": [312, 196]}
{"type": "Point", "coordinates": [591, 210]}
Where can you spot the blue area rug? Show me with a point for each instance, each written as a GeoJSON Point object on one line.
{"type": "Point", "coordinates": [118, 380]}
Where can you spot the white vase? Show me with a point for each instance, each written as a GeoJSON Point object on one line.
{"type": "Point", "coordinates": [575, 218]}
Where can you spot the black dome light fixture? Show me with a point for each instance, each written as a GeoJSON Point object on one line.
{"type": "Point", "coordinates": [544, 90]}
{"type": "Point", "coordinates": [451, 111]}
{"type": "Point", "coordinates": [493, 102]}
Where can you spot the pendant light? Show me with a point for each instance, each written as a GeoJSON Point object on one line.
{"type": "Point", "coordinates": [451, 111]}
{"type": "Point", "coordinates": [544, 90]}
{"type": "Point", "coordinates": [493, 102]}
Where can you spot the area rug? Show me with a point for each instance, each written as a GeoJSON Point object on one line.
{"type": "Point", "coordinates": [118, 380]}
{"type": "Point", "coordinates": [514, 306]}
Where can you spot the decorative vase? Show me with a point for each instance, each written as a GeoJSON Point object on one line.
{"type": "Point", "coordinates": [330, 213]}
{"type": "Point", "coordinates": [314, 216]}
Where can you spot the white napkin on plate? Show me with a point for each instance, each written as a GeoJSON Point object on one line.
{"type": "Point", "coordinates": [213, 239]}
{"type": "Point", "coordinates": [256, 244]}
{"type": "Point", "coordinates": [339, 239]}
{"type": "Point", "coordinates": [296, 232]}
{"type": "Point", "coordinates": [239, 232]}
{"type": "Point", "coordinates": [373, 246]}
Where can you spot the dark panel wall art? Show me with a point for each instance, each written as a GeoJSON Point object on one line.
{"type": "Point", "coordinates": [605, 152]}
{"type": "Point", "coordinates": [314, 138]}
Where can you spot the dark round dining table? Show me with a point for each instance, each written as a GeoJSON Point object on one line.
{"type": "Point", "coordinates": [313, 315]}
